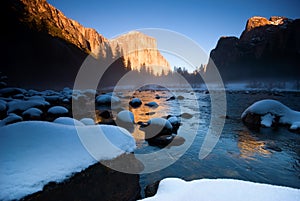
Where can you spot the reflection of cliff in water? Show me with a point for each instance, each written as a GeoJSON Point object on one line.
{"type": "Point", "coordinates": [249, 146]}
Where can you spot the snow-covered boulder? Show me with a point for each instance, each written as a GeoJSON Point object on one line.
{"type": "Point", "coordinates": [22, 105]}
{"type": "Point", "coordinates": [36, 97]}
{"type": "Point", "coordinates": [34, 153]}
{"type": "Point", "coordinates": [32, 114]}
{"type": "Point", "coordinates": [175, 122]}
{"type": "Point", "coordinates": [174, 189]}
{"type": "Point", "coordinates": [125, 119]}
{"type": "Point", "coordinates": [10, 91]}
{"type": "Point", "coordinates": [151, 104]}
{"type": "Point", "coordinates": [157, 127]}
{"type": "Point", "coordinates": [87, 121]}
{"type": "Point", "coordinates": [58, 110]}
{"type": "Point", "coordinates": [135, 102]}
{"type": "Point", "coordinates": [125, 116]}
{"type": "Point", "coordinates": [68, 121]}
{"type": "Point", "coordinates": [3, 108]}
{"type": "Point", "coordinates": [10, 119]}
{"type": "Point", "coordinates": [107, 100]}
{"type": "Point", "coordinates": [271, 113]}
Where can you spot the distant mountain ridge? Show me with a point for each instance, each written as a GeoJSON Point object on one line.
{"type": "Point", "coordinates": [39, 24]}
{"type": "Point", "coordinates": [266, 49]}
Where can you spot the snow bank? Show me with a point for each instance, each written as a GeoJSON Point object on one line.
{"type": "Point", "coordinates": [35, 153]}
{"type": "Point", "coordinates": [270, 109]}
{"type": "Point", "coordinates": [174, 189]}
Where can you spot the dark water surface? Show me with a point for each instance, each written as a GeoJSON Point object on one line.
{"type": "Point", "coordinates": [268, 155]}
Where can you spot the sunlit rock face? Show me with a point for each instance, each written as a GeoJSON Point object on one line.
{"type": "Point", "coordinates": [266, 49]}
{"type": "Point", "coordinates": [141, 49]}
{"type": "Point", "coordinates": [41, 43]}
{"type": "Point", "coordinates": [137, 47]}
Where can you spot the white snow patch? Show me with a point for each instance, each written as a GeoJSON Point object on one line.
{"type": "Point", "coordinates": [58, 110]}
{"type": "Point", "coordinates": [87, 121]}
{"type": "Point", "coordinates": [34, 153]}
{"type": "Point", "coordinates": [68, 121]}
{"type": "Point", "coordinates": [273, 108]}
{"type": "Point", "coordinates": [295, 125]}
{"type": "Point", "coordinates": [173, 189]}
{"type": "Point", "coordinates": [267, 120]}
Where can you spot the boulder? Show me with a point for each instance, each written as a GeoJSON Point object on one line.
{"type": "Point", "coordinates": [135, 102]}
{"type": "Point", "coordinates": [157, 127]}
{"type": "Point", "coordinates": [151, 104]}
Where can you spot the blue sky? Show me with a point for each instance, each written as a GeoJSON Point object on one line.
{"type": "Point", "coordinates": [202, 21]}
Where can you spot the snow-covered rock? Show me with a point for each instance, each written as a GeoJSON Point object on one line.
{"type": "Point", "coordinates": [10, 91]}
{"type": "Point", "coordinates": [125, 119]}
{"type": "Point", "coordinates": [174, 120]}
{"type": "Point", "coordinates": [68, 121]}
{"type": "Point", "coordinates": [22, 105]}
{"type": "Point", "coordinates": [2, 106]}
{"type": "Point", "coordinates": [58, 110]}
{"type": "Point", "coordinates": [34, 153]}
{"type": "Point", "coordinates": [32, 113]}
{"type": "Point", "coordinates": [87, 121]}
{"type": "Point", "coordinates": [107, 100]}
{"type": "Point", "coordinates": [125, 116]}
{"type": "Point", "coordinates": [36, 97]}
{"type": "Point", "coordinates": [157, 127]}
{"type": "Point", "coordinates": [270, 112]}
{"type": "Point", "coordinates": [10, 119]}
{"type": "Point", "coordinates": [151, 104]}
{"type": "Point", "coordinates": [174, 189]}
{"type": "Point", "coordinates": [135, 102]}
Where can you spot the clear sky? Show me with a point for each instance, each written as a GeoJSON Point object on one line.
{"type": "Point", "coordinates": [202, 21]}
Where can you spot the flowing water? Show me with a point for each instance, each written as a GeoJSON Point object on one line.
{"type": "Point", "coordinates": [267, 156]}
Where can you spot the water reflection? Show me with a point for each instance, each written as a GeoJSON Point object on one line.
{"type": "Point", "coordinates": [249, 146]}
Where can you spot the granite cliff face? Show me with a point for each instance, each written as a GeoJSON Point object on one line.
{"type": "Point", "coordinates": [141, 49]}
{"type": "Point", "coordinates": [42, 37]}
{"type": "Point", "coordinates": [267, 49]}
